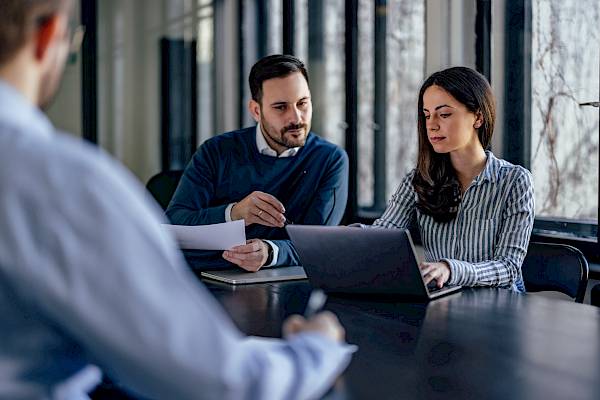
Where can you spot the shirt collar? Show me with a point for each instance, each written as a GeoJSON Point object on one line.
{"type": "Point", "coordinates": [17, 111]}
{"type": "Point", "coordinates": [491, 169]}
{"type": "Point", "coordinates": [264, 148]}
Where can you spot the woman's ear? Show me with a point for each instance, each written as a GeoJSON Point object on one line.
{"type": "Point", "coordinates": [478, 120]}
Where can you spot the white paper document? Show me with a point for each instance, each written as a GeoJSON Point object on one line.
{"type": "Point", "coordinates": [209, 237]}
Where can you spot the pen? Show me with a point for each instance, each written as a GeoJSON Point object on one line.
{"type": "Point", "coordinates": [291, 189]}
{"type": "Point", "coordinates": [315, 303]}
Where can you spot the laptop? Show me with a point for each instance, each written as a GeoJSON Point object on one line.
{"type": "Point", "coordinates": [240, 277]}
{"type": "Point", "coordinates": [374, 261]}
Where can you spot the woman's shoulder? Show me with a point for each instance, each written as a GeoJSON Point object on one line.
{"type": "Point", "coordinates": [505, 170]}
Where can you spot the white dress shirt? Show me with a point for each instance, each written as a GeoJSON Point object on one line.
{"type": "Point", "coordinates": [88, 277]}
{"type": "Point", "coordinates": [264, 148]}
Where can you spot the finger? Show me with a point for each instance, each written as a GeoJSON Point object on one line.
{"type": "Point", "coordinates": [267, 212]}
{"type": "Point", "coordinates": [272, 200]}
{"type": "Point", "coordinates": [250, 267]}
{"type": "Point", "coordinates": [250, 247]}
{"type": "Point", "coordinates": [427, 270]}
{"type": "Point", "coordinates": [258, 216]}
{"type": "Point", "coordinates": [244, 257]}
{"type": "Point", "coordinates": [293, 325]}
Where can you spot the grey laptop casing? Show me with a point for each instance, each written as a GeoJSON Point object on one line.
{"type": "Point", "coordinates": [240, 277]}
{"type": "Point", "coordinates": [378, 261]}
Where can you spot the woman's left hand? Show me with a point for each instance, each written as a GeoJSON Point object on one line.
{"type": "Point", "coordinates": [438, 271]}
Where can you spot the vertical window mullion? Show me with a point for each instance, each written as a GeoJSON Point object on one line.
{"type": "Point", "coordinates": [379, 106]}
{"type": "Point", "coordinates": [351, 50]}
{"type": "Point", "coordinates": [288, 26]}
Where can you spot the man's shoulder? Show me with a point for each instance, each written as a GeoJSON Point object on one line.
{"type": "Point", "coordinates": [63, 161]}
{"type": "Point", "coordinates": [316, 143]}
{"type": "Point", "coordinates": [245, 135]}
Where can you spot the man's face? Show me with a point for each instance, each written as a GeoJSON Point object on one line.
{"type": "Point", "coordinates": [53, 67]}
{"type": "Point", "coordinates": [285, 111]}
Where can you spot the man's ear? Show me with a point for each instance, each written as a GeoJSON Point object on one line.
{"type": "Point", "coordinates": [254, 108]}
{"type": "Point", "coordinates": [46, 35]}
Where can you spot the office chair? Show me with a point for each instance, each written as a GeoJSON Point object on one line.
{"type": "Point", "coordinates": [557, 267]}
{"type": "Point", "coordinates": [162, 186]}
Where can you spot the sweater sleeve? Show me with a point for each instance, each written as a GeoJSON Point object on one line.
{"type": "Point", "coordinates": [326, 207]}
{"type": "Point", "coordinates": [192, 202]}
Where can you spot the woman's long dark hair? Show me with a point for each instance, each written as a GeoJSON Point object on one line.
{"type": "Point", "coordinates": [435, 180]}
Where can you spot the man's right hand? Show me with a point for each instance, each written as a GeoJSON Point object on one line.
{"type": "Point", "coordinates": [259, 208]}
{"type": "Point", "coordinates": [325, 323]}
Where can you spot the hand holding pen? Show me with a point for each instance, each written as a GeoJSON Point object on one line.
{"type": "Point", "coordinates": [324, 322]}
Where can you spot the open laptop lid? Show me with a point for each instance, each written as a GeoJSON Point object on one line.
{"type": "Point", "coordinates": [353, 260]}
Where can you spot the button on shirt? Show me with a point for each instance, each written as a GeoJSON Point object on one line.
{"type": "Point", "coordinates": [264, 148]}
{"type": "Point", "coordinates": [87, 277]}
{"type": "Point", "coordinates": [486, 242]}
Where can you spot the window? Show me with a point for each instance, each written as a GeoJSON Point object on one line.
{"type": "Point", "coordinates": [565, 71]}
{"type": "Point", "coordinates": [319, 42]}
{"type": "Point", "coordinates": [391, 53]}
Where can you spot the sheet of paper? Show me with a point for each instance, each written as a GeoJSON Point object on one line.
{"type": "Point", "coordinates": [209, 237]}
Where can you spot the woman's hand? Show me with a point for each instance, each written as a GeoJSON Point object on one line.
{"type": "Point", "coordinates": [438, 271]}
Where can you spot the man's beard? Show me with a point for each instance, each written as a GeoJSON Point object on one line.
{"type": "Point", "coordinates": [281, 139]}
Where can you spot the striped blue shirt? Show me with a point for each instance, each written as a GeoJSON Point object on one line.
{"type": "Point", "coordinates": [486, 242]}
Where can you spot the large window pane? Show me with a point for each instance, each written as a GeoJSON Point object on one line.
{"type": "Point", "coordinates": [406, 66]}
{"type": "Point", "coordinates": [564, 136]}
{"type": "Point", "coordinates": [320, 44]}
{"type": "Point", "coordinates": [404, 55]}
{"type": "Point", "coordinates": [205, 59]}
{"type": "Point", "coordinates": [366, 34]}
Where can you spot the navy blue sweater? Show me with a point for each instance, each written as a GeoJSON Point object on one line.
{"type": "Point", "coordinates": [312, 185]}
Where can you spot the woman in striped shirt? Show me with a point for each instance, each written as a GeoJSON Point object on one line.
{"type": "Point", "coordinates": [474, 211]}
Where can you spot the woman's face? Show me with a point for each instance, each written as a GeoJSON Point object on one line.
{"type": "Point", "coordinates": [450, 126]}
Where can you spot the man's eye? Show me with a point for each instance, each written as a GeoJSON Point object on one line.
{"type": "Point", "coordinates": [280, 108]}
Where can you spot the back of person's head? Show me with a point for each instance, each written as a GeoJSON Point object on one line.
{"type": "Point", "coordinates": [273, 66]}
{"type": "Point", "coordinates": [19, 19]}
{"type": "Point", "coordinates": [435, 180]}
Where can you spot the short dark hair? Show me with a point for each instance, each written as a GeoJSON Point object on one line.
{"type": "Point", "coordinates": [273, 66]}
{"type": "Point", "coordinates": [18, 18]}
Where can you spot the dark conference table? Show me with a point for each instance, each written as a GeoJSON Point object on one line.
{"type": "Point", "coordinates": [475, 344]}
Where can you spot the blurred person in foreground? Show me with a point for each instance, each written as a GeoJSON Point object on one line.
{"type": "Point", "coordinates": [90, 282]}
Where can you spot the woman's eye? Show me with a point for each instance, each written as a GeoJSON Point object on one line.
{"type": "Point", "coordinates": [427, 116]}
{"type": "Point", "coordinates": [445, 115]}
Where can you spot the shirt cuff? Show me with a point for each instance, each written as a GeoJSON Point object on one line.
{"type": "Point", "coordinates": [461, 272]}
{"type": "Point", "coordinates": [228, 212]}
{"type": "Point", "coordinates": [275, 253]}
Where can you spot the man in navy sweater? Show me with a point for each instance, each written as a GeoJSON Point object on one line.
{"type": "Point", "coordinates": [276, 173]}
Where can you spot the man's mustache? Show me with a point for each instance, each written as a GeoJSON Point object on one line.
{"type": "Point", "coordinates": [293, 127]}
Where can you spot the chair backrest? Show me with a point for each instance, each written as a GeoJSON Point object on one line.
{"type": "Point", "coordinates": [162, 186]}
{"type": "Point", "coordinates": [595, 295]}
{"type": "Point", "coordinates": [556, 267]}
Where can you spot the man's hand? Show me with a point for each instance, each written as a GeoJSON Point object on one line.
{"type": "Point", "coordinates": [325, 323]}
{"type": "Point", "coordinates": [250, 256]}
{"type": "Point", "coordinates": [259, 208]}
{"type": "Point", "coordinates": [438, 271]}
